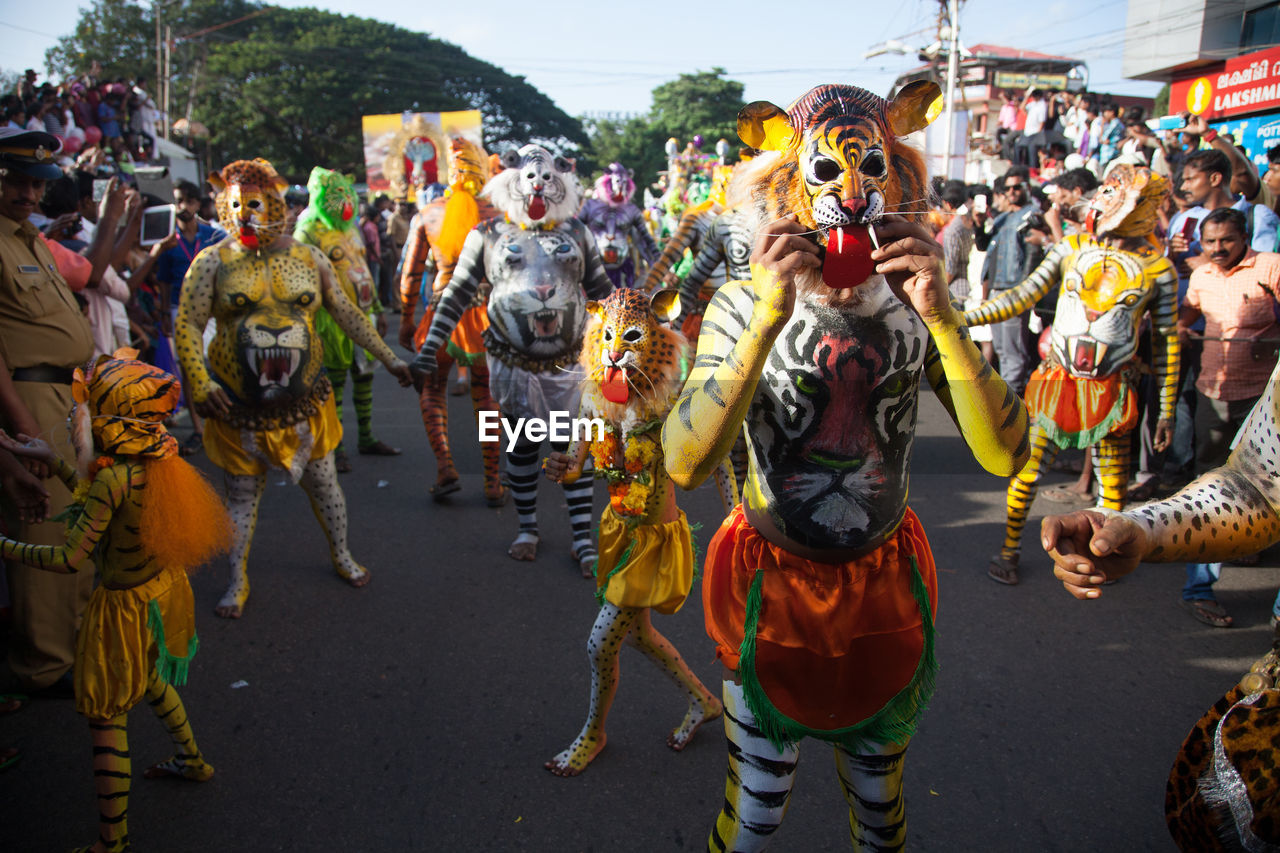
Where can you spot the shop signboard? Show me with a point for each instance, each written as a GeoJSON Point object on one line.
{"type": "Point", "coordinates": [1013, 80]}
{"type": "Point", "coordinates": [1255, 133]}
{"type": "Point", "coordinates": [1241, 86]}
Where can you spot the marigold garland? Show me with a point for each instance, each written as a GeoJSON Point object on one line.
{"type": "Point", "coordinates": [630, 483]}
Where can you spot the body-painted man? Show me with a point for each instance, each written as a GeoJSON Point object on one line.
{"type": "Point", "coordinates": [543, 265]}
{"type": "Point", "coordinates": [618, 226]}
{"type": "Point", "coordinates": [820, 589]}
{"type": "Point", "coordinates": [329, 224]}
{"type": "Point", "coordinates": [1086, 392]}
{"type": "Point", "coordinates": [144, 517]}
{"type": "Point", "coordinates": [430, 255]}
{"type": "Point", "coordinates": [1224, 788]}
{"type": "Point", "coordinates": [635, 367]}
{"type": "Point", "coordinates": [268, 400]}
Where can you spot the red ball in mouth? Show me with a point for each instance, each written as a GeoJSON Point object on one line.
{"type": "Point", "coordinates": [848, 257]}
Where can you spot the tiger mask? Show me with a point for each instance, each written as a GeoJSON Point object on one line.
{"type": "Point", "coordinates": [535, 188]}
{"type": "Point", "coordinates": [250, 202]}
{"type": "Point", "coordinates": [635, 364]}
{"type": "Point", "coordinates": [1128, 202]}
{"type": "Point", "coordinates": [841, 163]}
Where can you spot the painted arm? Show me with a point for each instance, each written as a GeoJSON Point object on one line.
{"type": "Point", "coordinates": [194, 307]}
{"type": "Point", "coordinates": [1227, 513]}
{"type": "Point", "coordinates": [108, 490]}
{"type": "Point", "coordinates": [416, 252]}
{"type": "Point", "coordinates": [1015, 300]}
{"type": "Point", "coordinates": [455, 299]}
{"type": "Point", "coordinates": [686, 236]}
{"type": "Point", "coordinates": [992, 419]}
{"type": "Point", "coordinates": [642, 239]}
{"type": "Point", "coordinates": [350, 318]}
{"type": "Point", "coordinates": [709, 257]}
{"type": "Point", "coordinates": [737, 334]}
{"type": "Point", "coordinates": [1166, 360]}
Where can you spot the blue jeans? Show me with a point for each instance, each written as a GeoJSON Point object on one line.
{"type": "Point", "coordinates": [1200, 580]}
{"type": "Point", "coordinates": [1015, 347]}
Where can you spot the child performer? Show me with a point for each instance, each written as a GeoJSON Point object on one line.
{"type": "Point", "coordinates": [635, 367]}
{"type": "Point", "coordinates": [144, 517]}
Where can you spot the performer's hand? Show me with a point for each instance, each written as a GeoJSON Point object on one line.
{"type": "Point", "coordinates": [216, 404]}
{"type": "Point", "coordinates": [401, 372]}
{"type": "Point", "coordinates": [1164, 434]}
{"type": "Point", "coordinates": [1089, 547]}
{"type": "Point", "coordinates": [781, 251]}
{"type": "Point", "coordinates": [423, 367]}
{"type": "Point", "coordinates": [406, 332]}
{"type": "Point", "coordinates": [25, 427]}
{"type": "Point", "coordinates": [23, 488]}
{"type": "Point", "coordinates": [556, 466]}
{"type": "Point", "coordinates": [26, 446]}
{"type": "Point", "coordinates": [380, 325]}
{"type": "Point", "coordinates": [911, 260]}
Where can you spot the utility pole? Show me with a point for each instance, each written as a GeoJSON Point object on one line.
{"type": "Point", "coordinates": [953, 71]}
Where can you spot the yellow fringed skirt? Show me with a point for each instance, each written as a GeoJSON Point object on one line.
{"type": "Point", "coordinates": [120, 640]}
{"type": "Point", "coordinates": [658, 567]}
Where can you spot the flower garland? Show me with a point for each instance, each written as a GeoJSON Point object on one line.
{"type": "Point", "coordinates": [625, 462]}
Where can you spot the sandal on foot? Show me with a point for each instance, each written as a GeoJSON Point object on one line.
{"type": "Point", "coordinates": [341, 463]}
{"type": "Point", "coordinates": [442, 490]}
{"type": "Point", "coordinates": [1003, 570]}
{"type": "Point", "coordinates": [192, 445]}
{"type": "Point", "coordinates": [1209, 612]}
{"type": "Point", "coordinates": [378, 448]}
{"type": "Point", "coordinates": [524, 547]}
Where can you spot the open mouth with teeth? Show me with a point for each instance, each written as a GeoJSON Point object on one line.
{"type": "Point", "coordinates": [545, 324]}
{"type": "Point", "coordinates": [276, 365]}
{"type": "Point", "coordinates": [1085, 354]}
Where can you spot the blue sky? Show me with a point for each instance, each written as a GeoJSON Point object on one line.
{"type": "Point", "coordinates": [588, 57]}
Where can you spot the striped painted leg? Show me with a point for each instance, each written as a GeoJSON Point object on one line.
{"type": "Point", "coordinates": [111, 776]}
{"type": "Point", "coordinates": [1022, 491]}
{"type": "Point", "coordinates": [872, 784]}
{"type": "Point", "coordinates": [186, 762]}
{"type": "Point", "coordinates": [1111, 468]}
{"type": "Point", "coordinates": [495, 494]}
{"type": "Point", "coordinates": [757, 788]}
{"type": "Point", "coordinates": [434, 404]}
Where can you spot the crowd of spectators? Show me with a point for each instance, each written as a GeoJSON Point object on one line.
{"type": "Point", "coordinates": [119, 116]}
{"type": "Point", "coordinates": [1220, 229]}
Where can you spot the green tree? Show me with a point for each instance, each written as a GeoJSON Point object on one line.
{"type": "Point", "coordinates": [1161, 105]}
{"type": "Point", "coordinates": [704, 103]}
{"type": "Point", "coordinates": [291, 85]}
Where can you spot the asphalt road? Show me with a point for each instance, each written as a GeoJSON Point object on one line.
{"type": "Point", "coordinates": [415, 714]}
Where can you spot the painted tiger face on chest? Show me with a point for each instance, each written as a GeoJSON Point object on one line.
{"type": "Point", "coordinates": [1104, 295]}
{"type": "Point", "coordinates": [833, 420]}
{"type": "Point", "coordinates": [537, 303]}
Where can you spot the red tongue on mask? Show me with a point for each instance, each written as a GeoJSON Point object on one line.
{"type": "Point", "coordinates": [347, 211]}
{"type": "Point", "coordinates": [614, 387]}
{"type": "Point", "coordinates": [537, 208]}
{"type": "Point", "coordinates": [848, 262]}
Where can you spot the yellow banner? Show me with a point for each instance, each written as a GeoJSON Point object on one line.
{"type": "Point", "coordinates": [406, 152]}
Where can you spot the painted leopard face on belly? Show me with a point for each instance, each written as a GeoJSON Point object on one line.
{"type": "Point", "coordinates": [266, 351]}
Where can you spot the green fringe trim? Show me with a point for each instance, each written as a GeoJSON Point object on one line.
{"type": "Point", "coordinates": [170, 668]}
{"type": "Point", "coordinates": [894, 723]}
{"type": "Point", "coordinates": [1079, 440]}
{"type": "Point", "coordinates": [617, 567]}
{"type": "Point", "coordinates": [464, 358]}
{"type": "Point", "coordinates": [694, 527]}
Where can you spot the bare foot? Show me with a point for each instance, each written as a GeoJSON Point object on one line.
{"type": "Point", "coordinates": [705, 711]}
{"type": "Point", "coordinates": [197, 770]}
{"type": "Point", "coordinates": [575, 759]}
{"type": "Point", "coordinates": [524, 547]}
{"type": "Point", "coordinates": [586, 561]}
{"type": "Point", "coordinates": [355, 574]}
{"type": "Point", "coordinates": [232, 604]}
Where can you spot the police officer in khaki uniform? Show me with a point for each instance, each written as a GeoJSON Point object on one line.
{"type": "Point", "coordinates": [43, 338]}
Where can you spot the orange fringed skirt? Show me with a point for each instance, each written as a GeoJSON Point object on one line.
{"type": "Point", "coordinates": [1075, 411]}
{"type": "Point", "coordinates": [834, 650]}
{"type": "Point", "coordinates": [466, 344]}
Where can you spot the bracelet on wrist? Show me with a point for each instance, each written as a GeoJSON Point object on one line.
{"type": "Point", "coordinates": [1210, 135]}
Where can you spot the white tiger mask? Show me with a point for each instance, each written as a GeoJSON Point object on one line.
{"type": "Point", "coordinates": [535, 188]}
